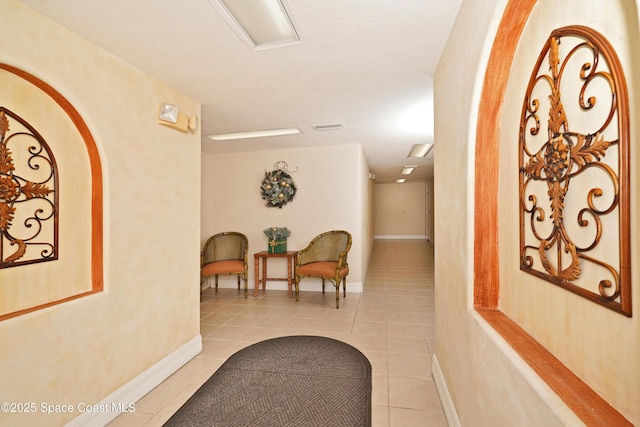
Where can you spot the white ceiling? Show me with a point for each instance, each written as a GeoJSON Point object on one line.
{"type": "Point", "coordinates": [362, 63]}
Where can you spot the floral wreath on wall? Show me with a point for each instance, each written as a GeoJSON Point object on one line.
{"type": "Point", "coordinates": [277, 188]}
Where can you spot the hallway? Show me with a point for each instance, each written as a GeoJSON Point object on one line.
{"type": "Point", "coordinates": [392, 323]}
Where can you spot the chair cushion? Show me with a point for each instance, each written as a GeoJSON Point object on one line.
{"type": "Point", "coordinates": [323, 268]}
{"type": "Point", "coordinates": [223, 267]}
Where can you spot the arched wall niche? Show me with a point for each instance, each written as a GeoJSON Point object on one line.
{"type": "Point", "coordinates": [78, 269]}
{"type": "Point", "coordinates": [578, 396]}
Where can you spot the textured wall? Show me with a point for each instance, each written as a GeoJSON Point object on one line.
{"type": "Point", "coordinates": [27, 286]}
{"type": "Point", "coordinates": [597, 344]}
{"type": "Point", "coordinates": [487, 382]}
{"type": "Point", "coordinates": [86, 349]}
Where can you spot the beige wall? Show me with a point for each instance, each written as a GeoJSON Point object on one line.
{"type": "Point", "coordinates": [86, 349]}
{"type": "Point", "coordinates": [569, 326]}
{"type": "Point", "coordinates": [367, 203]}
{"type": "Point", "coordinates": [70, 154]}
{"type": "Point", "coordinates": [487, 384]}
{"type": "Point", "coordinates": [401, 210]}
{"type": "Point", "coordinates": [333, 193]}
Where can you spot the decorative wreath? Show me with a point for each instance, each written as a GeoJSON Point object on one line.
{"type": "Point", "coordinates": [277, 187]}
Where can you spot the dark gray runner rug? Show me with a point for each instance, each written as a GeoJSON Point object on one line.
{"type": "Point", "coordinates": [288, 381]}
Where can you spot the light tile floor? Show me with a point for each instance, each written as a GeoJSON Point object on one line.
{"type": "Point", "coordinates": [392, 323]}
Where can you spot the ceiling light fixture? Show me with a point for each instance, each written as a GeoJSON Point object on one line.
{"type": "Point", "coordinates": [406, 170]}
{"type": "Point", "coordinates": [261, 24]}
{"type": "Point", "coordinates": [420, 150]}
{"type": "Point", "coordinates": [254, 134]}
{"type": "Point", "coordinates": [400, 181]}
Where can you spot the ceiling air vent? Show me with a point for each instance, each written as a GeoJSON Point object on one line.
{"type": "Point", "coordinates": [333, 126]}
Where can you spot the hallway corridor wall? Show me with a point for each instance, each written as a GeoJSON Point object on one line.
{"type": "Point", "coordinates": [485, 382]}
{"type": "Point", "coordinates": [401, 211]}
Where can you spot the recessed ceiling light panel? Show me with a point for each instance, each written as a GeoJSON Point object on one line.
{"type": "Point", "coordinates": [261, 24]}
{"type": "Point", "coordinates": [420, 150]}
{"type": "Point", "coordinates": [406, 170]}
{"type": "Point", "coordinates": [254, 134]}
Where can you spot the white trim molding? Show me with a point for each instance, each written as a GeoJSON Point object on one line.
{"type": "Point", "coordinates": [123, 399]}
{"type": "Point", "coordinates": [443, 391]}
{"type": "Point", "coordinates": [306, 285]}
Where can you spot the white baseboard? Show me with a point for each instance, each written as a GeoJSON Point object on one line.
{"type": "Point", "coordinates": [307, 285]}
{"type": "Point", "coordinates": [445, 398]}
{"type": "Point", "coordinates": [119, 401]}
{"type": "Point", "coordinates": [400, 237]}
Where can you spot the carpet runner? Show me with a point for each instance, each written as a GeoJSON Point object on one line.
{"type": "Point", "coordinates": [287, 381]}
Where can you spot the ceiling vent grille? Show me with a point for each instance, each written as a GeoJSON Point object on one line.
{"type": "Point", "coordinates": [333, 126]}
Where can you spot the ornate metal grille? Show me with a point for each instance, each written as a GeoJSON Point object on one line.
{"type": "Point", "coordinates": [574, 180]}
{"type": "Point", "coordinates": [28, 195]}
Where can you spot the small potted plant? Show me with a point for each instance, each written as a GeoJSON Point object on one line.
{"type": "Point", "coordinates": [277, 239]}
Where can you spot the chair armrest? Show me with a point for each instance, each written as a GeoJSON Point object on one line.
{"type": "Point", "coordinates": [342, 259]}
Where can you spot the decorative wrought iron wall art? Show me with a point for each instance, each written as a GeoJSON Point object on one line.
{"type": "Point", "coordinates": [574, 178]}
{"type": "Point", "coordinates": [277, 187]}
{"type": "Point", "coordinates": [28, 195]}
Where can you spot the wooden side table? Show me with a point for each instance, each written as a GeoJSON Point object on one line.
{"type": "Point", "coordinates": [292, 259]}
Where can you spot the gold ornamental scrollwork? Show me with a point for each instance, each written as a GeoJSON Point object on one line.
{"type": "Point", "coordinates": [28, 195]}
{"type": "Point", "coordinates": [574, 178]}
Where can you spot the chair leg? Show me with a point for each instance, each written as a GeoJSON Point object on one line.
{"type": "Point", "coordinates": [338, 296]}
{"type": "Point", "coordinates": [238, 282]}
{"type": "Point", "coordinates": [246, 288]}
{"type": "Point", "coordinates": [344, 285]}
{"type": "Point", "coordinates": [201, 283]}
{"type": "Point", "coordinates": [216, 283]}
{"type": "Point", "coordinates": [297, 285]}
{"type": "Point", "coordinates": [323, 286]}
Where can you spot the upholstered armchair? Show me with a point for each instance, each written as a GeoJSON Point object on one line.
{"type": "Point", "coordinates": [326, 258]}
{"type": "Point", "coordinates": [225, 253]}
